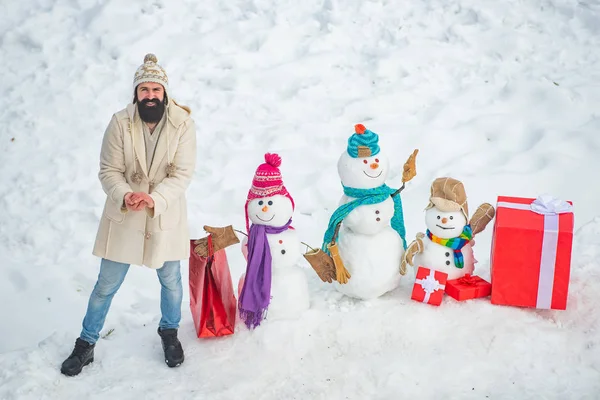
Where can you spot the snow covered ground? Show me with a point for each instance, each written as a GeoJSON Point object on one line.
{"type": "Point", "coordinates": [503, 95]}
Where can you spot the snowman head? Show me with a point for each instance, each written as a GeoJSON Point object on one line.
{"type": "Point", "coordinates": [274, 210]}
{"type": "Point", "coordinates": [362, 165]}
{"type": "Point", "coordinates": [445, 224]}
{"type": "Point", "coordinates": [268, 202]}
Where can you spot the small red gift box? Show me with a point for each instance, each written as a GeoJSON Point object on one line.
{"type": "Point", "coordinates": [429, 286]}
{"type": "Point", "coordinates": [468, 287]}
{"type": "Point", "coordinates": [531, 252]}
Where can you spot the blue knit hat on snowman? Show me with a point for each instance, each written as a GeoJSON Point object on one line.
{"type": "Point", "coordinates": [363, 143]}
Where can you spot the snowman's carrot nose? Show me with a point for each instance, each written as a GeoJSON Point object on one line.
{"type": "Point", "coordinates": [444, 220]}
{"type": "Point", "coordinates": [265, 209]}
{"type": "Point", "coordinates": [374, 166]}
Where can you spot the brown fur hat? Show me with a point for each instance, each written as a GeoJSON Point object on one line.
{"type": "Point", "coordinates": [448, 194]}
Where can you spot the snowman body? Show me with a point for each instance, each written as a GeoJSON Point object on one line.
{"type": "Point", "coordinates": [435, 256]}
{"type": "Point", "coordinates": [370, 249]}
{"type": "Point", "coordinates": [289, 286]}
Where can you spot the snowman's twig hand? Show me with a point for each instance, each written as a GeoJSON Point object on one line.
{"type": "Point", "coordinates": [222, 237]}
{"type": "Point", "coordinates": [409, 172]}
{"type": "Point", "coordinates": [414, 248]}
{"type": "Point", "coordinates": [410, 167]}
{"type": "Point", "coordinates": [484, 214]}
{"type": "Point", "coordinates": [322, 264]}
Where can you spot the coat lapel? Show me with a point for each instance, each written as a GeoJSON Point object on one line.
{"type": "Point", "coordinates": [161, 149]}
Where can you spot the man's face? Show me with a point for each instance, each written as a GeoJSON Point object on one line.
{"type": "Point", "coordinates": [150, 99]}
{"type": "Point", "coordinates": [150, 91]}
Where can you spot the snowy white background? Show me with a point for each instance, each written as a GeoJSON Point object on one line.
{"type": "Point", "coordinates": [503, 95]}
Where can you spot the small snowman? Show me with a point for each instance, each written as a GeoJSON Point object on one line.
{"type": "Point", "coordinates": [447, 245]}
{"type": "Point", "coordinates": [273, 279]}
{"type": "Point", "coordinates": [367, 229]}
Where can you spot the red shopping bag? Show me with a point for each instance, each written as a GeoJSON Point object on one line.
{"type": "Point", "coordinates": [212, 301]}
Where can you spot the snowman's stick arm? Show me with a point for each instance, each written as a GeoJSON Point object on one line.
{"type": "Point", "coordinates": [307, 245]}
{"type": "Point", "coordinates": [397, 192]}
{"type": "Point", "coordinates": [336, 232]}
{"type": "Point", "coordinates": [241, 232]}
{"type": "Point", "coordinates": [409, 172]}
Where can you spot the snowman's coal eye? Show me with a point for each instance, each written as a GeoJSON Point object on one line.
{"type": "Point", "coordinates": [260, 203]}
{"type": "Point", "coordinates": [451, 217]}
{"type": "Point", "coordinates": [270, 203]}
{"type": "Point", "coordinates": [438, 217]}
{"type": "Point", "coordinates": [365, 161]}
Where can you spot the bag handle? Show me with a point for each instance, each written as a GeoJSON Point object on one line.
{"type": "Point", "coordinates": [211, 249]}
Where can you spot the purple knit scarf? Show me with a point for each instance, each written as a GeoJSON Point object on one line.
{"type": "Point", "coordinates": [256, 293]}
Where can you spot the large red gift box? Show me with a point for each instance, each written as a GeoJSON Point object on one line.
{"type": "Point", "coordinates": [429, 286]}
{"type": "Point", "coordinates": [531, 252]}
{"type": "Point", "coordinates": [468, 287]}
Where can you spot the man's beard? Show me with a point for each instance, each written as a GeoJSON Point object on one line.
{"type": "Point", "coordinates": [151, 114]}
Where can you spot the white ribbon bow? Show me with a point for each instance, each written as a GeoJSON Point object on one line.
{"type": "Point", "coordinates": [430, 285]}
{"type": "Point", "coordinates": [549, 205]}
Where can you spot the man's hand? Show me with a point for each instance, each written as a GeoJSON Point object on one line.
{"type": "Point", "coordinates": [143, 199]}
{"type": "Point", "coordinates": [133, 202]}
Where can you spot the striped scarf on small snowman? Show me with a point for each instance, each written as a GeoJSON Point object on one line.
{"type": "Point", "coordinates": [456, 244]}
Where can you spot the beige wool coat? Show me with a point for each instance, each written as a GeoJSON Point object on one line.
{"type": "Point", "coordinates": [147, 237]}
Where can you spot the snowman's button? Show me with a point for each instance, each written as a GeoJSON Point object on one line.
{"type": "Point", "coordinates": [447, 262]}
{"type": "Point", "coordinates": [447, 254]}
{"type": "Point", "coordinates": [281, 241]}
{"type": "Point", "coordinates": [376, 211]}
{"type": "Point", "coordinates": [377, 219]}
{"type": "Point", "coordinates": [282, 251]}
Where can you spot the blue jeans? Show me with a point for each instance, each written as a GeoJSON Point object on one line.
{"type": "Point", "coordinates": [110, 278]}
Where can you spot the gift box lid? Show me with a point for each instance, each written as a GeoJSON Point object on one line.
{"type": "Point", "coordinates": [524, 219]}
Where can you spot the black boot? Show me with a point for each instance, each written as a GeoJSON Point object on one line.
{"type": "Point", "coordinates": [82, 355]}
{"type": "Point", "coordinates": [171, 346]}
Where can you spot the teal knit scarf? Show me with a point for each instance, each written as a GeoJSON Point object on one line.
{"type": "Point", "coordinates": [365, 197]}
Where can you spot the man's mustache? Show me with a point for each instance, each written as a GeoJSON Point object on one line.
{"type": "Point", "coordinates": [145, 102]}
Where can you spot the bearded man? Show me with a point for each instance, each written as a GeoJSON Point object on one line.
{"type": "Point", "coordinates": [147, 161]}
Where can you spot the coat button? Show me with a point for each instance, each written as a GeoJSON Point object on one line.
{"type": "Point", "coordinates": [447, 254]}
{"type": "Point", "coordinates": [148, 235]}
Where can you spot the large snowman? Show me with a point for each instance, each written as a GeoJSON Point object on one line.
{"type": "Point", "coordinates": [447, 245]}
{"type": "Point", "coordinates": [371, 239]}
{"type": "Point", "coordinates": [273, 279]}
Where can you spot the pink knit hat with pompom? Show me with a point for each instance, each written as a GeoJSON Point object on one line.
{"type": "Point", "coordinates": [267, 182]}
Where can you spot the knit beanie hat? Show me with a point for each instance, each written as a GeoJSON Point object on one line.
{"type": "Point", "coordinates": [363, 143]}
{"type": "Point", "coordinates": [150, 71]}
{"type": "Point", "coordinates": [267, 182]}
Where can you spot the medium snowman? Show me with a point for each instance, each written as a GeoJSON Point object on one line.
{"type": "Point", "coordinates": [368, 226]}
{"type": "Point", "coordinates": [273, 279]}
{"type": "Point", "coordinates": [447, 245]}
